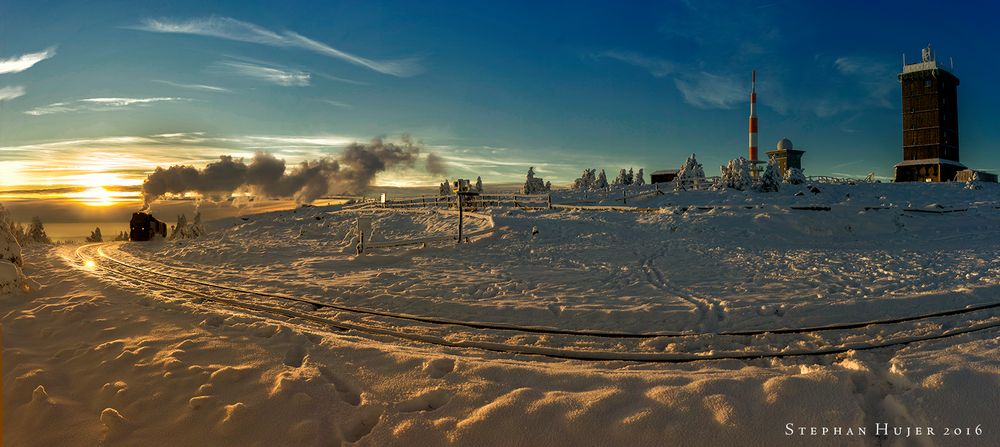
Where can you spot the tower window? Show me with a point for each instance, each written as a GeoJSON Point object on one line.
{"type": "Point", "coordinates": [927, 83]}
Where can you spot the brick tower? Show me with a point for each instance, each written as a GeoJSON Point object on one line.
{"type": "Point", "coordinates": [930, 122]}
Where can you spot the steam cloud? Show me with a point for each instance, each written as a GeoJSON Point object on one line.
{"type": "Point", "coordinates": [351, 172]}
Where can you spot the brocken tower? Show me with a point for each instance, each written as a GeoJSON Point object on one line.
{"type": "Point", "coordinates": [930, 122]}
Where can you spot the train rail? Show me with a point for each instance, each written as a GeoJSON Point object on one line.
{"type": "Point", "coordinates": [585, 345]}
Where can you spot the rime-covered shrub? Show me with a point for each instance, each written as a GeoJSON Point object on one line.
{"type": "Point", "coordinates": [770, 180]}
{"type": "Point", "coordinates": [691, 174]}
{"type": "Point", "coordinates": [602, 181]}
{"type": "Point", "coordinates": [794, 176]}
{"type": "Point", "coordinates": [586, 181]}
{"type": "Point", "coordinates": [534, 185]}
{"type": "Point", "coordinates": [184, 230]}
{"type": "Point", "coordinates": [736, 174]}
{"type": "Point", "coordinates": [639, 181]}
{"type": "Point", "coordinates": [36, 232]}
{"type": "Point", "coordinates": [95, 236]}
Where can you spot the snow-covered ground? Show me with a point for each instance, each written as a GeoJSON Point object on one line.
{"type": "Point", "coordinates": [93, 355]}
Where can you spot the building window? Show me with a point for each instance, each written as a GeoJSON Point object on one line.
{"type": "Point", "coordinates": [927, 83]}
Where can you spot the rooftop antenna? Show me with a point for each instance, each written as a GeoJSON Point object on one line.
{"type": "Point", "coordinates": [904, 59]}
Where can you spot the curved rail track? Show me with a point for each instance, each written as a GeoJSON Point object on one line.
{"type": "Point", "coordinates": [505, 338]}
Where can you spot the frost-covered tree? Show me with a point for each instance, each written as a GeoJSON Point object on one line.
{"type": "Point", "coordinates": [602, 181]}
{"type": "Point", "coordinates": [794, 176]}
{"type": "Point", "coordinates": [15, 229]}
{"type": "Point", "coordinates": [479, 184]}
{"type": "Point", "coordinates": [586, 181]}
{"type": "Point", "coordinates": [770, 180]}
{"type": "Point", "coordinates": [10, 247]}
{"type": "Point", "coordinates": [444, 188]}
{"type": "Point", "coordinates": [620, 179]}
{"type": "Point", "coordinates": [123, 236]}
{"type": "Point", "coordinates": [736, 174]}
{"type": "Point", "coordinates": [630, 177]}
{"type": "Point", "coordinates": [639, 181]}
{"type": "Point", "coordinates": [95, 236]}
{"type": "Point", "coordinates": [534, 185]}
{"type": "Point", "coordinates": [691, 174]}
{"type": "Point", "coordinates": [36, 232]}
{"type": "Point", "coordinates": [184, 230]}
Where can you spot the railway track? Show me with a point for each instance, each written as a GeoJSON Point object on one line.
{"type": "Point", "coordinates": [554, 342]}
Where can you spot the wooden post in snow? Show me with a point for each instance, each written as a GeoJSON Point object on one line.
{"type": "Point", "coordinates": [459, 218]}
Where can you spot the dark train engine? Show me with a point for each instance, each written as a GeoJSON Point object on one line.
{"type": "Point", "coordinates": [144, 227]}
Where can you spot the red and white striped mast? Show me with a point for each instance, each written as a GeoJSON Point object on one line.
{"type": "Point", "coordinates": [753, 116]}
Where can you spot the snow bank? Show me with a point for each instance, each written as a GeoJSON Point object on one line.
{"type": "Point", "coordinates": [11, 278]}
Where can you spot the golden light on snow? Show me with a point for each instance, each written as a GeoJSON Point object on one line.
{"type": "Point", "coordinates": [89, 264]}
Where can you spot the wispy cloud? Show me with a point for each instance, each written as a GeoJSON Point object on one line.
{"type": "Point", "coordinates": [709, 91]}
{"type": "Point", "coordinates": [700, 89]}
{"type": "Point", "coordinates": [11, 92]}
{"type": "Point", "coordinates": [342, 105]}
{"type": "Point", "coordinates": [232, 29]}
{"type": "Point", "coordinates": [656, 66]}
{"type": "Point", "coordinates": [276, 75]}
{"type": "Point", "coordinates": [201, 87]}
{"type": "Point", "coordinates": [25, 61]}
{"type": "Point", "coordinates": [97, 105]}
{"type": "Point", "coordinates": [853, 65]}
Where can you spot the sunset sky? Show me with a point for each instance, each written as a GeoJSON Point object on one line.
{"type": "Point", "coordinates": [94, 95]}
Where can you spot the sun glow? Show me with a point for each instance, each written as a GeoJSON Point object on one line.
{"type": "Point", "coordinates": [102, 189]}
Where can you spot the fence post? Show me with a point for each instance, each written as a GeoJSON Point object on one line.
{"type": "Point", "coordinates": [625, 196]}
{"type": "Point", "coordinates": [550, 200]}
{"type": "Point", "coordinates": [364, 228]}
{"type": "Point", "coordinates": [459, 218]}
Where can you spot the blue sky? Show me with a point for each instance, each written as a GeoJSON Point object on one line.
{"type": "Point", "coordinates": [113, 89]}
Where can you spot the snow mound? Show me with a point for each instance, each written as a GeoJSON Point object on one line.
{"type": "Point", "coordinates": [11, 278]}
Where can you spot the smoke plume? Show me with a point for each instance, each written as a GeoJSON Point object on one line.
{"type": "Point", "coordinates": [350, 173]}
{"type": "Point", "coordinates": [436, 165]}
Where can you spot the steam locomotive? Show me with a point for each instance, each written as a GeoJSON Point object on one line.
{"type": "Point", "coordinates": [144, 227]}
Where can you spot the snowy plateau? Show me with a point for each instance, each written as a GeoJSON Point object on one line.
{"type": "Point", "coordinates": [820, 314]}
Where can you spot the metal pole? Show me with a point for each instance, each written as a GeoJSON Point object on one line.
{"type": "Point", "coordinates": [459, 218]}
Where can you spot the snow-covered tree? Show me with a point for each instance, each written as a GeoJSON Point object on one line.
{"type": "Point", "coordinates": [622, 179]}
{"type": "Point", "coordinates": [770, 180]}
{"type": "Point", "coordinates": [15, 229]}
{"type": "Point", "coordinates": [479, 184]}
{"type": "Point", "coordinates": [444, 188]}
{"type": "Point", "coordinates": [586, 181]}
{"type": "Point", "coordinates": [184, 230]}
{"type": "Point", "coordinates": [691, 174]}
{"type": "Point", "coordinates": [602, 181]}
{"type": "Point", "coordinates": [534, 185]}
{"type": "Point", "coordinates": [10, 250]}
{"type": "Point", "coordinates": [736, 174]}
{"type": "Point", "coordinates": [36, 232]}
{"type": "Point", "coordinates": [639, 181]}
{"type": "Point", "coordinates": [95, 236]}
{"type": "Point", "coordinates": [794, 176]}
{"type": "Point", "coordinates": [630, 177]}
{"type": "Point", "coordinates": [123, 236]}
